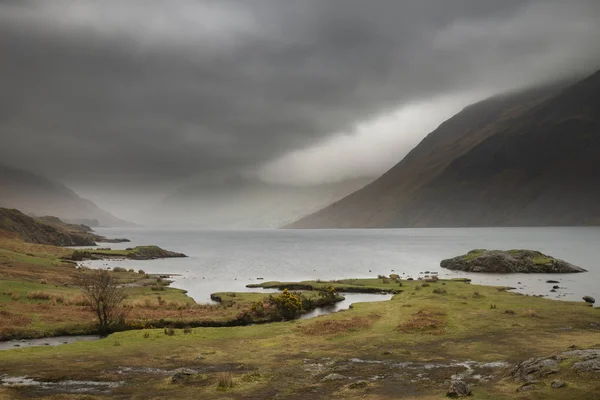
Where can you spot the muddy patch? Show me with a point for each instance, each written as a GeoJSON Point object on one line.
{"type": "Point", "coordinates": [49, 341]}
{"type": "Point", "coordinates": [67, 386]}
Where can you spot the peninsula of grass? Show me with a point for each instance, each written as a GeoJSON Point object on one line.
{"type": "Point", "coordinates": [133, 253]}
{"type": "Point", "coordinates": [380, 285]}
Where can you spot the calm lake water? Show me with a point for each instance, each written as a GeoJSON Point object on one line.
{"type": "Point", "coordinates": [228, 260]}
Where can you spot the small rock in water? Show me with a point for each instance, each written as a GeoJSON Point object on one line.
{"type": "Point", "coordinates": [553, 290]}
{"type": "Point", "coordinates": [558, 384]}
{"type": "Point", "coordinates": [555, 287]}
{"type": "Point", "coordinates": [589, 299]}
{"type": "Point", "coordinates": [551, 281]}
{"type": "Point", "coordinates": [458, 389]}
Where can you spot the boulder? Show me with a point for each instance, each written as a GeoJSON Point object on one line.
{"type": "Point", "coordinates": [589, 299]}
{"type": "Point", "coordinates": [358, 384]}
{"type": "Point", "coordinates": [558, 384]}
{"type": "Point", "coordinates": [458, 388]}
{"type": "Point", "coordinates": [511, 261]}
{"type": "Point", "coordinates": [183, 375]}
{"type": "Point", "coordinates": [333, 377]}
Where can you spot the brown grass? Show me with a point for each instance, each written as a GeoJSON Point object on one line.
{"type": "Point", "coordinates": [224, 380]}
{"type": "Point", "coordinates": [8, 319]}
{"type": "Point", "coordinates": [529, 313]}
{"type": "Point", "coordinates": [425, 321]}
{"type": "Point", "coordinates": [37, 295]}
{"type": "Point", "coordinates": [332, 327]}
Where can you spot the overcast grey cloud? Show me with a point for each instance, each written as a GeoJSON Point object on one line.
{"type": "Point", "coordinates": [144, 91]}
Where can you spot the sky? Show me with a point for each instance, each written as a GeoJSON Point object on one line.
{"type": "Point", "coordinates": [122, 99]}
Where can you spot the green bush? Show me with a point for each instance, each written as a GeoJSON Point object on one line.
{"type": "Point", "coordinates": [258, 309]}
{"type": "Point", "coordinates": [329, 294]}
{"type": "Point", "coordinates": [287, 305]}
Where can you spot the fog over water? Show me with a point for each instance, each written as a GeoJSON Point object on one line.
{"type": "Point", "coordinates": [227, 260]}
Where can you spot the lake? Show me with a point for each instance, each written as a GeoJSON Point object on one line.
{"type": "Point", "coordinates": [227, 260]}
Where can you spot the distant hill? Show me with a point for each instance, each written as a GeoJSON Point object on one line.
{"type": "Point", "coordinates": [240, 202]}
{"type": "Point", "coordinates": [39, 196]}
{"type": "Point", "coordinates": [530, 158]}
{"type": "Point", "coordinates": [34, 231]}
{"type": "Point", "coordinates": [48, 230]}
{"type": "Point", "coordinates": [58, 223]}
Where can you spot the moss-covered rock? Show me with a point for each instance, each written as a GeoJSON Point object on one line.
{"type": "Point", "coordinates": [511, 261]}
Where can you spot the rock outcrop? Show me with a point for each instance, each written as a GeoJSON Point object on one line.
{"type": "Point", "coordinates": [579, 361]}
{"type": "Point", "coordinates": [511, 261]}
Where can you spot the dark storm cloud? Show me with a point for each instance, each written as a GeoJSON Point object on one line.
{"type": "Point", "coordinates": [157, 90]}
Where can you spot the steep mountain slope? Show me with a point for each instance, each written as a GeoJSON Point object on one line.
{"type": "Point", "coordinates": [36, 195]}
{"type": "Point", "coordinates": [248, 203]}
{"type": "Point", "coordinates": [526, 158]}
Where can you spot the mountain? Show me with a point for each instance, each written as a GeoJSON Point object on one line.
{"type": "Point", "coordinates": [528, 158]}
{"type": "Point", "coordinates": [240, 202]}
{"type": "Point", "coordinates": [37, 195]}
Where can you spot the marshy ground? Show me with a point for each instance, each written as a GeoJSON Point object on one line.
{"type": "Point", "coordinates": [412, 346]}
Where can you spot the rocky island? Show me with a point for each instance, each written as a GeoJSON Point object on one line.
{"type": "Point", "coordinates": [509, 261]}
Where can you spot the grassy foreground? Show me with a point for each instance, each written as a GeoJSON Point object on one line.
{"type": "Point", "coordinates": [408, 347]}
{"type": "Point", "coordinates": [39, 298]}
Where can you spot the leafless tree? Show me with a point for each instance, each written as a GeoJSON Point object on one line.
{"type": "Point", "coordinates": [105, 297]}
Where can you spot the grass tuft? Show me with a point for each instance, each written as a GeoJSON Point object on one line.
{"type": "Point", "coordinates": [224, 380]}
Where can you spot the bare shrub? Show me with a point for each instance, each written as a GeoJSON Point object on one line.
{"type": "Point", "coordinates": [104, 296]}
{"type": "Point", "coordinates": [529, 313]}
{"type": "Point", "coordinates": [439, 291]}
{"type": "Point", "coordinates": [477, 295]}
